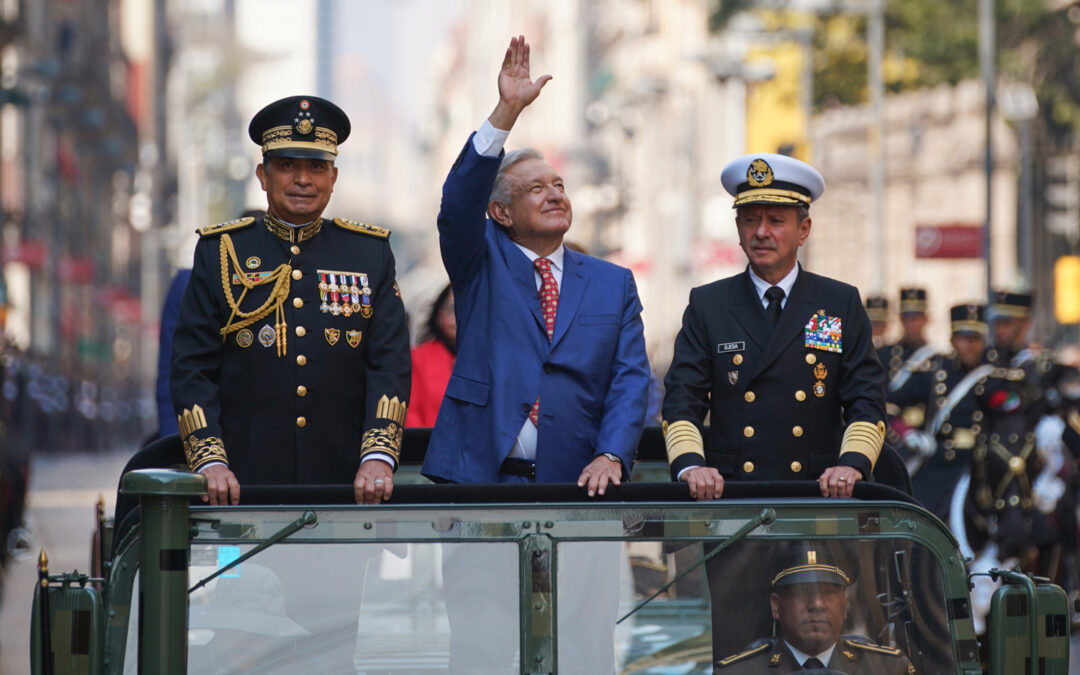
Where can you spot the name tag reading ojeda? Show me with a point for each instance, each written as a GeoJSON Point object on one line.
{"type": "Point", "coordinates": [727, 347]}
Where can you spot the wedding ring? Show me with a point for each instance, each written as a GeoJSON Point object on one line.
{"type": "Point", "coordinates": [842, 479]}
{"type": "Point", "coordinates": [379, 481]}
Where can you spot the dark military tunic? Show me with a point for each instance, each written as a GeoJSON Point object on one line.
{"type": "Point", "coordinates": [304, 381]}
{"type": "Point", "coordinates": [778, 405]}
{"type": "Point", "coordinates": [958, 423]}
{"type": "Point", "coordinates": [853, 654]}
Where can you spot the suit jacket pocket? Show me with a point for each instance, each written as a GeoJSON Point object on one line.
{"type": "Point", "coordinates": [469, 391]}
{"type": "Point", "coordinates": [597, 319]}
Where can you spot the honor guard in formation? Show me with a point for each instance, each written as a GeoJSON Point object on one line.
{"type": "Point", "coordinates": [809, 605]}
{"type": "Point", "coordinates": [1019, 496]}
{"type": "Point", "coordinates": [906, 359]}
{"type": "Point", "coordinates": [938, 453]}
{"type": "Point", "coordinates": [290, 361]}
{"type": "Point", "coordinates": [877, 310]}
{"type": "Point", "coordinates": [781, 358]}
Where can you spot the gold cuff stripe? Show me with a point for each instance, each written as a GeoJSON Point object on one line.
{"type": "Point", "coordinates": [864, 438]}
{"type": "Point", "coordinates": [683, 437]}
{"type": "Point", "coordinates": [391, 409]}
{"type": "Point", "coordinates": [191, 421]}
{"type": "Point", "coordinates": [772, 194]}
{"type": "Point", "coordinates": [386, 439]}
{"type": "Point", "coordinates": [202, 451]}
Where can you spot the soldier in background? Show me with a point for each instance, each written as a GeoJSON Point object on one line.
{"type": "Point", "coordinates": [877, 310]}
{"type": "Point", "coordinates": [939, 452]}
{"type": "Point", "coordinates": [903, 360]}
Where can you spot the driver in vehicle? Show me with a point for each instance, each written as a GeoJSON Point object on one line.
{"type": "Point", "coordinates": [809, 605]}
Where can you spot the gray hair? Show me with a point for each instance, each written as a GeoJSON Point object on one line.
{"type": "Point", "coordinates": [500, 192]}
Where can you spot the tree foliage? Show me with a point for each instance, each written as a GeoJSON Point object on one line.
{"type": "Point", "coordinates": [928, 42]}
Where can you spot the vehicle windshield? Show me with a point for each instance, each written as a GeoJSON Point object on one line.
{"type": "Point", "coordinates": [482, 589]}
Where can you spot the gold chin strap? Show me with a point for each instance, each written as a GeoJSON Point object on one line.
{"type": "Point", "coordinates": [280, 277]}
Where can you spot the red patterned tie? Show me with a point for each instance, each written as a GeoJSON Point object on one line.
{"type": "Point", "coordinates": [549, 303]}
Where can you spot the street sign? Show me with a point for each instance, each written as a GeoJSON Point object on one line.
{"type": "Point", "coordinates": [948, 241]}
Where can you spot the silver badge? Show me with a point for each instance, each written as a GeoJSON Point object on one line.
{"type": "Point", "coordinates": [733, 376]}
{"type": "Point", "coordinates": [267, 336]}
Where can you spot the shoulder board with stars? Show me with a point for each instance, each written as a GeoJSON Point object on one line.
{"type": "Point", "coordinates": [362, 228]}
{"type": "Point", "coordinates": [743, 654]}
{"type": "Point", "coordinates": [227, 226]}
{"type": "Point", "coordinates": [868, 646]}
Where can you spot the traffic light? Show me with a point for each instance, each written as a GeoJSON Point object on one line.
{"type": "Point", "coordinates": [1067, 289]}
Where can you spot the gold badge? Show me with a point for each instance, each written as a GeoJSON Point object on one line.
{"type": "Point", "coordinates": [267, 336]}
{"type": "Point", "coordinates": [850, 654]}
{"type": "Point", "coordinates": [252, 262]}
{"type": "Point", "coordinates": [244, 338]}
{"type": "Point", "coordinates": [759, 173]}
{"type": "Point", "coordinates": [775, 658]}
{"type": "Point", "coordinates": [332, 335]}
{"type": "Point", "coordinates": [811, 359]}
{"type": "Point", "coordinates": [819, 389]}
{"type": "Point", "coordinates": [820, 371]}
{"type": "Point", "coordinates": [737, 359]}
{"type": "Point", "coordinates": [733, 376]}
{"type": "Point", "coordinates": [353, 338]}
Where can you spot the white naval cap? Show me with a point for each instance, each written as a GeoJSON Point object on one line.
{"type": "Point", "coordinates": [768, 178]}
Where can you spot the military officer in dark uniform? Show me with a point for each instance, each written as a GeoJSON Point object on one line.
{"type": "Point", "coordinates": [290, 359]}
{"type": "Point", "coordinates": [781, 358]}
{"type": "Point", "coordinates": [1010, 322]}
{"type": "Point", "coordinates": [877, 310]}
{"type": "Point", "coordinates": [809, 603]}
{"type": "Point", "coordinates": [939, 451]}
{"type": "Point", "coordinates": [913, 320]}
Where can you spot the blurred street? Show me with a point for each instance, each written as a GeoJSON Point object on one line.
{"type": "Point", "coordinates": [60, 511]}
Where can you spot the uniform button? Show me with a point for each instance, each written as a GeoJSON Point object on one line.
{"type": "Point", "coordinates": [297, 303]}
{"type": "Point", "coordinates": [946, 428]}
{"type": "Point", "coordinates": [748, 467]}
{"type": "Point", "coordinates": [737, 359]}
{"type": "Point", "coordinates": [796, 467]}
{"type": "Point", "coordinates": [294, 249]}
{"type": "Point", "coordinates": [748, 432]}
{"type": "Point", "coordinates": [301, 391]}
{"type": "Point", "coordinates": [950, 455]}
{"type": "Point", "coordinates": [297, 275]}
{"type": "Point", "coordinates": [749, 396]}
{"type": "Point", "coordinates": [301, 360]}
{"type": "Point", "coordinates": [811, 359]}
{"type": "Point", "coordinates": [800, 395]}
{"type": "Point", "coordinates": [796, 431]}
{"type": "Point", "coordinates": [301, 331]}
{"type": "Point", "coordinates": [525, 407]}
{"type": "Point", "coordinates": [301, 421]}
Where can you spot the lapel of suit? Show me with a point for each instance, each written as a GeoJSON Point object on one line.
{"type": "Point", "coordinates": [793, 319]}
{"type": "Point", "coordinates": [522, 274]}
{"type": "Point", "coordinates": [748, 311]}
{"type": "Point", "coordinates": [571, 292]}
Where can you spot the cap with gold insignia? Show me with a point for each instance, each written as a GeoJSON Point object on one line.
{"type": "Point", "coordinates": [877, 308]}
{"type": "Point", "coordinates": [768, 178]}
{"type": "Point", "coordinates": [300, 126]}
{"type": "Point", "coordinates": [913, 301]}
{"type": "Point", "coordinates": [807, 563]}
{"type": "Point", "coordinates": [1009, 305]}
{"type": "Point", "coordinates": [969, 318]}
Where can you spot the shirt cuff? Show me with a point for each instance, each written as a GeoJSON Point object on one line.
{"type": "Point", "coordinates": [206, 466]}
{"type": "Point", "coordinates": [488, 141]}
{"type": "Point", "coordinates": [378, 455]}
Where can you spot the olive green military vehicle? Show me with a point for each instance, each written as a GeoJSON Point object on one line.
{"type": "Point", "coordinates": [534, 578]}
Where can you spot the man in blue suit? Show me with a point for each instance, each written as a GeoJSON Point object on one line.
{"type": "Point", "coordinates": [550, 384]}
{"type": "Point", "coordinates": [527, 400]}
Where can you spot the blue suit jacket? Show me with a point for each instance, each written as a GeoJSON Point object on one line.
{"type": "Point", "coordinates": [592, 378]}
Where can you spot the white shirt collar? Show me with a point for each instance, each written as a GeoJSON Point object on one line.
{"type": "Point", "coordinates": [556, 259]}
{"type": "Point", "coordinates": [801, 657]}
{"type": "Point", "coordinates": [760, 285]}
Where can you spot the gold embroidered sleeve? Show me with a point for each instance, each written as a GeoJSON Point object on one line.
{"type": "Point", "coordinates": [202, 451]}
{"type": "Point", "coordinates": [383, 439]}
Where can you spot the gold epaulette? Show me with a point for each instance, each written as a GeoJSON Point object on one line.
{"type": "Point", "coordinates": [872, 647]}
{"type": "Point", "coordinates": [227, 226]}
{"type": "Point", "coordinates": [362, 228]}
{"type": "Point", "coordinates": [727, 661]}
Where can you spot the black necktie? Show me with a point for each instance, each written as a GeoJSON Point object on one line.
{"type": "Point", "coordinates": [811, 663]}
{"type": "Point", "coordinates": [774, 295]}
